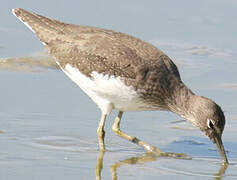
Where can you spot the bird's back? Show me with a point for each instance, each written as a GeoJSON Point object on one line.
{"type": "Point", "coordinates": [51, 31]}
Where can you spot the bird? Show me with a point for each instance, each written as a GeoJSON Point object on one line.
{"type": "Point", "coordinates": [122, 72]}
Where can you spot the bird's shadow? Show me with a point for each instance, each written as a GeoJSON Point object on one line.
{"type": "Point", "coordinates": [140, 159]}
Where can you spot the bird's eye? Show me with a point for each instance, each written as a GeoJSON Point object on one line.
{"type": "Point", "coordinates": [210, 123]}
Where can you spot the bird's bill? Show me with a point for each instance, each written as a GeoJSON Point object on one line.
{"type": "Point", "coordinates": [221, 149]}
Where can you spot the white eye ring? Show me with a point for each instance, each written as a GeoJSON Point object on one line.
{"type": "Point", "coordinates": [210, 123]}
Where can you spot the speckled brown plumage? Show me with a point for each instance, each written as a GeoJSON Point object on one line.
{"type": "Point", "coordinates": [138, 63]}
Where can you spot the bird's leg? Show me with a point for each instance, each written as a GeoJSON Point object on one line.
{"type": "Point", "coordinates": [101, 132]}
{"type": "Point", "coordinates": [147, 147]}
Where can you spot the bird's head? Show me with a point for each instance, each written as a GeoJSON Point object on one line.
{"type": "Point", "coordinates": [209, 117]}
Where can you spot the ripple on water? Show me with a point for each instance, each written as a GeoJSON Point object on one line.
{"type": "Point", "coordinates": [205, 160]}
{"type": "Point", "coordinates": [65, 143]}
{"type": "Point", "coordinates": [210, 168]}
{"type": "Point", "coordinates": [78, 144]}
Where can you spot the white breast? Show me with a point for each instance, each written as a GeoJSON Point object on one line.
{"type": "Point", "coordinates": [108, 92]}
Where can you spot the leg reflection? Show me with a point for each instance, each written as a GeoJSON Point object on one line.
{"type": "Point", "coordinates": [221, 172]}
{"type": "Point", "coordinates": [99, 165]}
{"type": "Point", "coordinates": [144, 158]}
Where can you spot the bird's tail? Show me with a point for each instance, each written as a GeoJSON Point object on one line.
{"type": "Point", "coordinates": [46, 29]}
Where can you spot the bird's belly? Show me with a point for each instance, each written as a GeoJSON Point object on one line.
{"type": "Point", "coordinates": [104, 90]}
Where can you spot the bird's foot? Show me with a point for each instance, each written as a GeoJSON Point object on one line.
{"type": "Point", "coordinates": [158, 152]}
{"type": "Point", "coordinates": [176, 155]}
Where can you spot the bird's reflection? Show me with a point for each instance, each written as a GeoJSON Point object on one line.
{"type": "Point", "coordinates": [144, 158]}
{"type": "Point", "coordinates": [220, 174]}
{"type": "Point", "coordinates": [99, 165]}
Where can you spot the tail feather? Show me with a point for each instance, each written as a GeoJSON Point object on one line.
{"type": "Point", "coordinates": [47, 30]}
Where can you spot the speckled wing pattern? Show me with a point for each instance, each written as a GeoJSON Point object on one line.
{"type": "Point", "coordinates": [89, 49]}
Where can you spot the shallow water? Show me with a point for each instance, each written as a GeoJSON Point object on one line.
{"type": "Point", "coordinates": [48, 125]}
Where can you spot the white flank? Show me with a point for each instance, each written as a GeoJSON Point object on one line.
{"type": "Point", "coordinates": [107, 92]}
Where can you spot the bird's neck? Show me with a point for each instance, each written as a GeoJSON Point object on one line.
{"type": "Point", "coordinates": [182, 102]}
